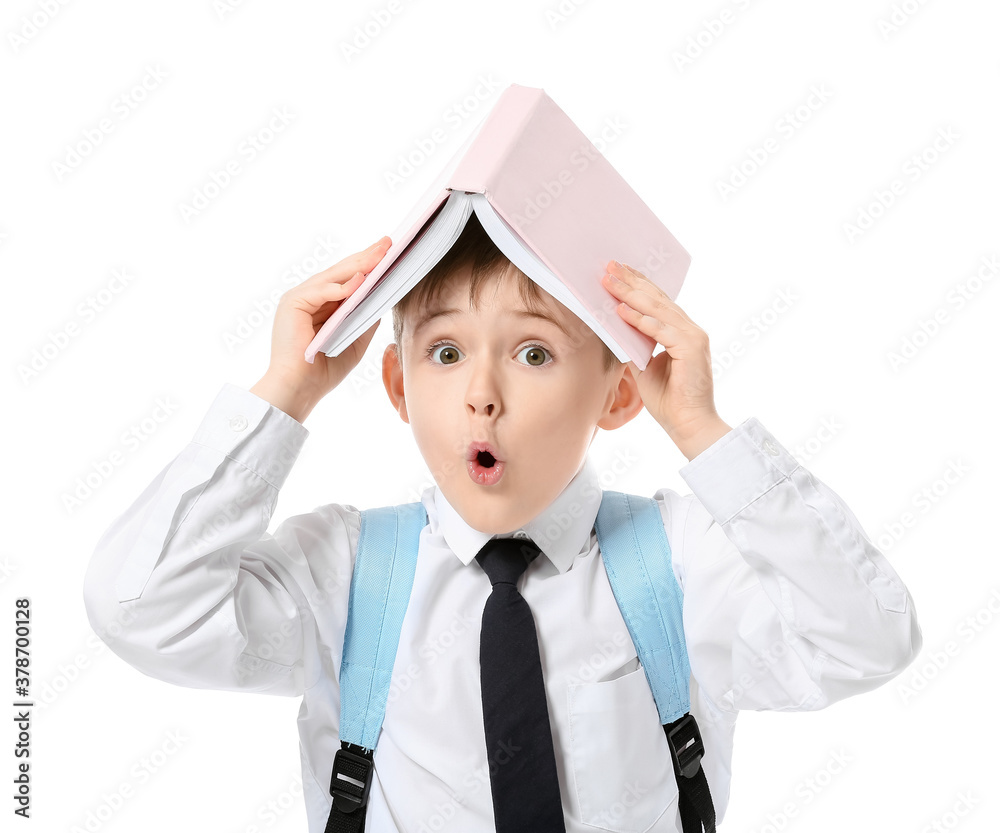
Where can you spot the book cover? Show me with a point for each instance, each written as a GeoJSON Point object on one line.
{"type": "Point", "coordinates": [562, 199]}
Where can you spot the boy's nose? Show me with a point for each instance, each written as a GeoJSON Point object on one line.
{"type": "Point", "coordinates": [483, 393]}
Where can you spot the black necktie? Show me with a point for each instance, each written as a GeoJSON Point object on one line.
{"type": "Point", "coordinates": [522, 762]}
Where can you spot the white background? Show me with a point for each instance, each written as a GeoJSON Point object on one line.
{"type": "Point", "coordinates": [817, 372]}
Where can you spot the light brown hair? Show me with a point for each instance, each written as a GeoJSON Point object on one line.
{"type": "Point", "coordinates": [473, 248]}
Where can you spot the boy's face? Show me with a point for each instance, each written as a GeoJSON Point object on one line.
{"type": "Point", "coordinates": [535, 390]}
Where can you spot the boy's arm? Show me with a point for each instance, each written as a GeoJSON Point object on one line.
{"type": "Point", "coordinates": [788, 604]}
{"type": "Point", "coordinates": [188, 587]}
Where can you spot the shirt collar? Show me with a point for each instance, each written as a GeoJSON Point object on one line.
{"type": "Point", "coordinates": [561, 531]}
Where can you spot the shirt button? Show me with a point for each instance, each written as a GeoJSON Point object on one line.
{"type": "Point", "coordinates": [770, 448]}
{"type": "Point", "coordinates": [520, 534]}
{"type": "Point", "coordinates": [238, 423]}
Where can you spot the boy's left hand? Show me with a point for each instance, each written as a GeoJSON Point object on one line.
{"type": "Point", "coordinates": [676, 386]}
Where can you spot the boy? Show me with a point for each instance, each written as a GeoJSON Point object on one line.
{"type": "Point", "coordinates": [787, 604]}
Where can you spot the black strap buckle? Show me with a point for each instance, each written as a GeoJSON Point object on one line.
{"type": "Point", "coordinates": [352, 777]}
{"type": "Point", "coordinates": [686, 747]}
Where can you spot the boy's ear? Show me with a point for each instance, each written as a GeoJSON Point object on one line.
{"type": "Point", "coordinates": [392, 378]}
{"type": "Point", "coordinates": [624, 402]}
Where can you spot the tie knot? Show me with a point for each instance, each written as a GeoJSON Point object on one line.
{"type": "Point", "coordinates": [505, 559]}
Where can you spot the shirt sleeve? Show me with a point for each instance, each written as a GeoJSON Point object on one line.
{"type": "Point", "coordinates": [188, 587]}
{"type": "Point", "coordinates": [787, 603]}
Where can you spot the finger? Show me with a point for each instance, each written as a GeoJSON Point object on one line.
{"type": "Point", "coordinates": [363, 261]}
{"type": "Point", "coordinates": [638, 280]}
{"type": "Point", "coordinates": [669, 335]}
{"type": "Point", "coordinates": [646, 298]}
{"type": "Point", "coordinates": [654, 319]}
{"type": "Point", "coordinates": [642, 294]}
{"type": "Point", "coordinates": [310, 297]}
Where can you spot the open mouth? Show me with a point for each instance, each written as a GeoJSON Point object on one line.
{"type": "Point", "coordinates": [483, 465]}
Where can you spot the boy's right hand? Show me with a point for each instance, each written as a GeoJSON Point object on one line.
{"type": "Point", "coordinates": [291, 383]}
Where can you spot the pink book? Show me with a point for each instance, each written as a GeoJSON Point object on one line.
{"type": "Point", "coordinates": [552, 204]}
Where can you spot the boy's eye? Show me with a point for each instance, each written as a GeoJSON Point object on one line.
{"type": "Point", "coordinates": [449, 352]}
{"type": "Point", "coordinates": [536, 355]}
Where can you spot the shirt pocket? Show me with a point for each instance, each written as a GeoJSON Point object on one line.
{"type": "Point", "coordinates": [621, 763]}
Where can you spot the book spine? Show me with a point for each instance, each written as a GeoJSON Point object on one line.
{"type": "Point", "coordinates": [488, 156]}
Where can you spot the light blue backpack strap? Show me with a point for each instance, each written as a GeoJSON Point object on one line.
{"type": "Point", "coordinates": [636, 557]}
{"type": "Point", "coordinates": [380, 591]}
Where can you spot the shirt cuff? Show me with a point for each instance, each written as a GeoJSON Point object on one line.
{"type": "Point", "coordinates": [254, 433]}
{"type": "Point", "coordinates": [737, 469]}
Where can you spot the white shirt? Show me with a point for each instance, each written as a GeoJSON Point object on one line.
{"type": "Point", "coordinates": [787, 605]}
